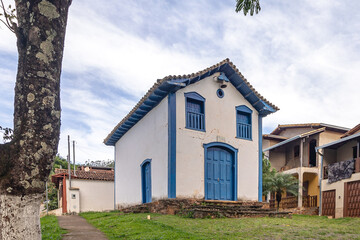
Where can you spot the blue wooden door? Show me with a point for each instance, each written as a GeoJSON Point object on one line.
{"type": "Point", "coordinates": [146, 182]}
{"type": "Point", "coordinates": [219, 174]}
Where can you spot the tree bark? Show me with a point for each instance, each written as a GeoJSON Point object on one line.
{"type": "Point", "coordinates": [20, 216]}
{"type": "Point", "coordinates": [278, 199]}
{"type": "Point", "coordinates": [25, 162]}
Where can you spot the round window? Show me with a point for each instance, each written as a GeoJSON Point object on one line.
{"type": "Point", "coordinates": [220, 93]}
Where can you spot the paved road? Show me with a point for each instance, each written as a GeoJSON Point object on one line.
{"type": "Point", "coordinates": [78, 228]}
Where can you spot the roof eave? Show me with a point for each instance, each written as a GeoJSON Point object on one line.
{"type": "Point", "coordinates": [342, 140]}
{"type": "Point", "coordinates": [303, 135]}
{"type": "Point", "coordinates": [173, 83]}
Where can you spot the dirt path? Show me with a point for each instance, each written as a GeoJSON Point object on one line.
{"type": "Point", "coordinates": [78, 228]}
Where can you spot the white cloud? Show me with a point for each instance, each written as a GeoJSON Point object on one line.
{"type": "Point", "coordinates": [130, 62]}
{"type": "Point", "coordinates": [301, 55]}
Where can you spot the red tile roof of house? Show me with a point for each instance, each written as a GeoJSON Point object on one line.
{"type": "Point", "coordinates": [281, 127]}
{"type": "Point", "coordinates": [306, 134]}
{"type": "Point", "coordinates": [351, 131]}
{"type": "Point", "coordinates": [275, 137]}
{"type": "Point", "coordinates": [102, 175]}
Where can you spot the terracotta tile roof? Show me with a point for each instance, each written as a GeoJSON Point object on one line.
{"type": "Point", "coordinates": [280, 144]}
{"type": "Point", "coordinates": [281, 127]}
{"type": "Point", "coordinates": [199, 74]}
{"type": "Point", "coordinates": [276, 137]}
{"type": "Point", "coordinates": [351, 131]}
{"type": "Point", "coordinates": [103, 175]}
{"type": "Point", "coordinates": [312, 132]}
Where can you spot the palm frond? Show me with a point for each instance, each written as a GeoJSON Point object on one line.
{"type": "Point", "coordinates": [248, 5]}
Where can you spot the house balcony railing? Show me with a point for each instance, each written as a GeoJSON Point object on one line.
{"type": "Point", "coordinates": [286, 202]}
{"type": "Point", "coordinates": [310, 201]}
{"type": "Point", "coordinates": [292, 202]}
{"type": "Point", "coordinates": [195, 120]}
{"type": "Point", "coordinates": [244, 130]}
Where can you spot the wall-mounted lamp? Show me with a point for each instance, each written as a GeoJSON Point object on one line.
{"type": "Point", "coordinates": [221, 78]}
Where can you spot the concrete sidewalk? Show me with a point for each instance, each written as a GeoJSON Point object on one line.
{"type": "Point", "coordinates": [79, 228]}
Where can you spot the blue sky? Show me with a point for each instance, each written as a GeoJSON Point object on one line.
{"type": "Point", "coordinates": [303, 56]}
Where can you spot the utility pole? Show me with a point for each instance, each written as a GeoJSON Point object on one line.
{"type": "Point", "coordinates": [74, 157]}
{"type": "Point", "coordinates": [69, 165]}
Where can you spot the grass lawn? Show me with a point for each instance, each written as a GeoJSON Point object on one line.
{"type": "Point", "coordinates": [136, 226]}
{"type": "Point", "coordinates": [50, 228]}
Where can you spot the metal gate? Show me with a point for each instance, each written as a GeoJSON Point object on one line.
{"type": "Point", "coordinates": [352, 199]}
{"type": "Point", "coordinates": [328, 203]}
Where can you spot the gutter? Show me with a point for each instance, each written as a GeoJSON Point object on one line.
{"type": "Point", "coordinates": [320, 179]}
{"type": "Point", "coordinates": [115, 177]}
{"type": "Point", "coordinates": [351, 137]}
{"type": "Point", "coordinates": [282, 143]}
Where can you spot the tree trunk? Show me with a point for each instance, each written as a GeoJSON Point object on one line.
{"type": "Point", "coordinates": [278, 199]}
{"type": "Point", "coordinates": [20, 216]}
{"type": "Point", "coordinates": [25, 162]}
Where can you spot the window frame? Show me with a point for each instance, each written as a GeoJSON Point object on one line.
{"type": "Point", "coordinates": [246, 111]}
{"type": "Point", "coordinates": [194, 96]}
{"type": "Point", "coordinates": [296, 151]}
{"type": "Point", "coordinates": [354, 149]}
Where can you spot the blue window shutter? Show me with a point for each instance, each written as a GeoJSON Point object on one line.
{"type": "Point", "coordinates": [195, 111]}
{"type": "Point", "coordinates": [244, 122]}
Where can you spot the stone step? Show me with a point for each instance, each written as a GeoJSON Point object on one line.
{"type": "Point", "coordinates": [198, 208]}
{"type": "Point", "coordinates": [229, 210]}
{"type": "Point", "coordinates": [230, 207]}
{"type": "Point", "coordinates": [237, 203]}
{"type": "Point", "coordinates": [204, 213]}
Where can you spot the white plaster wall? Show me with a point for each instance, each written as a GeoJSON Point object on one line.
{"type": "Point", "coordinates": [147, 139]}
{"type": "Point", "coordinates": [220, 125]}
{"type": "Point", "coordinates": [94, 195]}
{"type": "Point", "coordinates": [74, 203]}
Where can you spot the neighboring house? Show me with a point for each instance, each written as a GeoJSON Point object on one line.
{"type": "Point", "coordinates": [192, 136]}
{"type": "Point", "coordinates": [91, 189]}
{"type": "Point", "coordinates": [340, 185]}
{"type": "Point", "coordinates": [291, 149]}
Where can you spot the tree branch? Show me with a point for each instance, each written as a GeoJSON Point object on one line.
{"type": "Point", "coordinates": [6, 15]}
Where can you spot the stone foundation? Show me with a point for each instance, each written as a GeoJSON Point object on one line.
{"type": "Point", "coordinates": [303, 210]}
{"type": "Point", "coordinates": [196, 208]}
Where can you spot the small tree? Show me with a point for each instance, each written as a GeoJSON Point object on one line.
{"type": "Point", "coordinates": [267, 175]}
{"type": "Point", "coordinates": [282, 182]}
